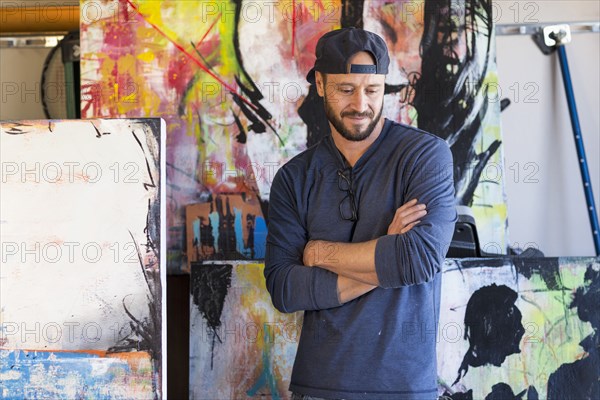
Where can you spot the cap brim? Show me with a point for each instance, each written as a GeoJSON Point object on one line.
{"type": "Point", "coordinates": [310, 77]}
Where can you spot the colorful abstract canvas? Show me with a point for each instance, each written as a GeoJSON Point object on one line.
{"type": "Point", "coordinates": [229, 79]}
{"type": "Point", "coordinates": [231, 227]}
{"type": "Point", "coordinates": [520, 329]}
{"type": "Point", "coordinates": [82, 275]}
{"type": "Point", "coordinates": [509, 329]}
{"type": "Point", "coordinates": [240, 346]}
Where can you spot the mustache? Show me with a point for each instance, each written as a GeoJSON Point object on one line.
{"type": "Point", "coordinates": [368, 113]}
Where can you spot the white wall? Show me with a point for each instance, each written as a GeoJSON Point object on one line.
{"type": "Point", "coordinates": [548, 210]}
{"type": "Point", "coordinates": [20, 74]}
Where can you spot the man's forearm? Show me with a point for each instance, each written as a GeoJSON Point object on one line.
{"type": "Point", "coordinates": [349, 289]}
{"type": "Point", "coordinates": [351, 260]}
{"type": "Point", "coordinates": [356, 261]}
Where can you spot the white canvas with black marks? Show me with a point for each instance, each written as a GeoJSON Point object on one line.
{"type": "Point", "coordinates": [82, 273]}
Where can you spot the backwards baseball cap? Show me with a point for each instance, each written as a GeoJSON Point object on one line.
{"type": "Point", "coordinates": [335, 48]}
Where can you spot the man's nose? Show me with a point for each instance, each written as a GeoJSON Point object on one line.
{"type": "Point", "coordinates": [359, 101]}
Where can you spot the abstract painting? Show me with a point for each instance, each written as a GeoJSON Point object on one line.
{"type": "Point", "coordinates": [510, 328]}
{"type": "Point", "coordinates": [82, 275]}
{"type": "Point", "coordinates": [229, 79]}
{"type": "Point", "coordinates": [520, 329]}
{"type": "Point", "coordinates": [230, 227]}
{"type": "Point", "coordinates": [240, 346]}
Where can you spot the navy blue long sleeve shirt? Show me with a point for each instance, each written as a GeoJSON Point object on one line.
{"type": "Point", "coordinates": [381, 344]}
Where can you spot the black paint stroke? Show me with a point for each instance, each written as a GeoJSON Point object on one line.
{"type": "Point", "coordinates": [209, 286]}
{"type": "Point", "coordinates": [264, 207]}
{"type": "Point", "coordinates": [587, 298]}
{"type": "Point", "coordinates": [389, 30]}
{"type": "Point", "coordinates": [152, 130]}
{"type": "Point", "coordinates": [152, 230]}
{"type": "Point", "coordinates": [15, 128]}
{"type": "Point", "coordinates": [312, 113]}
{"type": "Point", "coordinates": [492, 326]}
{"type": "Point", "coordinates": [249, 88]}
{"type": "Point", "coordinates": [256, 125]}
{"type": "Point", "coordinates": [259, 116]}
{"type": "Point", "coordinates": [468, 395]}
{"type": "Point", "coordinates": [227, 238]}
{"type": "Point", "coordinates": [547, 268]}
{"type": "Point", "coordinates": [241, 137]}
{"type": "Point", "coordinates": [352, 14]}
{"type": "Point", "coordinates": [98, 133]}
{"type": "Point", "coordinates": [148, 169]}
{"type": "Point", "coordinates": [145, 333]}
{"type": "Point", "coordinates": [581, 378]}
{"type": "Point", "coordinates": [250, 225]}
{"type": "Point", "coordinates": [503, 391]}
{"type": "Point", "coordinates": [446, 91]}
{"type": "Point", "coordinates": [532, 393]}
{"type": "Point", "coordinates": [391, 89]}
{"type": "Point", "coordinates": [207, 239]}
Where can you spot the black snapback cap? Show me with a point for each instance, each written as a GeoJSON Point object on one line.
{"type": "Point", "coordinates": [335, 48]}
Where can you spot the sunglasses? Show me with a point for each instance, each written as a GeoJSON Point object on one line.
{"type": "Point", "coordinates": [347, 206]}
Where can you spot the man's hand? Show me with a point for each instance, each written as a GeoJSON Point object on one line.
{"type": "Point", "coordinates": [318, 252]}
{"type": "Point", "coordinates": [406, 217]}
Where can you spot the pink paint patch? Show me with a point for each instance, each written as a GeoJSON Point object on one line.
{"type": "Point", "coordinates": [118, 40]}
{"type": "Point", "coordinates": [179, 73]}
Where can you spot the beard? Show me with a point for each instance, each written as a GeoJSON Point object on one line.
{"type": "Point", "coordinates": [352, 133]}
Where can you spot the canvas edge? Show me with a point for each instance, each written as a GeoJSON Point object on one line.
{"type": "Point", "coordinates": [163, 256]}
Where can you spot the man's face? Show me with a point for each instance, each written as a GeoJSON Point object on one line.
{"type": "Point", "coordinates": [353, 102]}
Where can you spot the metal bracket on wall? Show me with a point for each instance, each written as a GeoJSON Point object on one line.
{"type": "Point", "coordinates": [530, 29]}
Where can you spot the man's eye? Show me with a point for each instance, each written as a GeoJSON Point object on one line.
{"type": "Point", "coordinates": [346, 91]}
{"type": "Point", "coordinates": [372, 91]}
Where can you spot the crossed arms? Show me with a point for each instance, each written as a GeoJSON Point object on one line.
{"type": "Point", "coordinates": [354, 263]}
{"type": "Point", "coordinates": [315, 275]}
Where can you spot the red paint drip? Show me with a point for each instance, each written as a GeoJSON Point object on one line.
{"type": "Point", "coordinates": [184, 51]}
{"type": "Point", "coordinates": [208, 30]}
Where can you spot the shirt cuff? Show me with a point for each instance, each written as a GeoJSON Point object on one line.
{"type": "Point", "coordinates": [386, 262]}
{"type": "Point", "coordinates": [325, 293]}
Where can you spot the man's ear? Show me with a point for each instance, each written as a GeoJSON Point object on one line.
{"type": "Point", "coordinates": [320, 83]}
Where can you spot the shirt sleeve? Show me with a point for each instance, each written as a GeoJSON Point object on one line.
{"type": "Point", "coordinates": [292, 285]}
{"type": "Point", "coordinates": [417, 256]}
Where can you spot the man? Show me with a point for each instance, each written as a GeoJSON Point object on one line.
{"type": "Point", "coordinates": [350, 241]}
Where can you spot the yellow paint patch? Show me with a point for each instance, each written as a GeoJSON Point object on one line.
{"type": "Point", "coordinates": [146, 56]}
